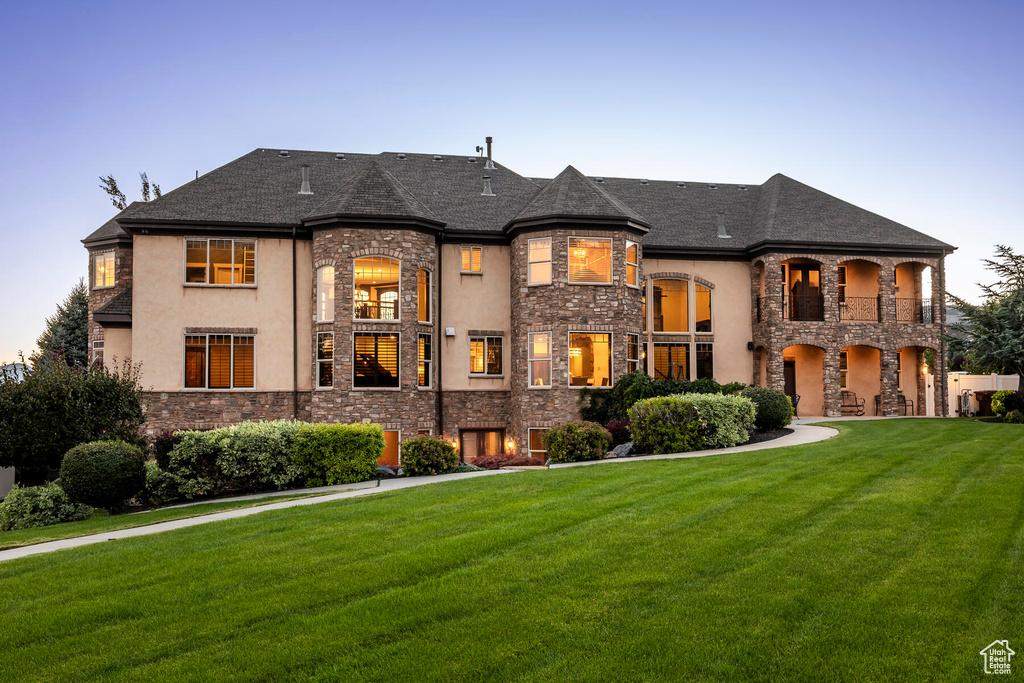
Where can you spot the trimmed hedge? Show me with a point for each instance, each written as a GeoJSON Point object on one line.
{"type": "Point", "coordinates": [577, 441]}
{"type": "Point", "coordinates": [605, 405]}
{"type": "Point", "coordinates": [39, 506]}
{"type": "Point", "coordinates": [338, 454]}
{"type": "Point", "coordinates": [256, 456]}
{"type": "Point", "coordinates": [426, 455]}
{"type": "Point", "coordinates": [103, 474]}
{"type": "Point", "coordinates": [689, 422]}
{"type": "Point", "coordinates": [774, 409]}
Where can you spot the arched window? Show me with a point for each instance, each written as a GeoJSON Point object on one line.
{"type": "Point", "coordinates": [423, 299]}
{"type": "Point", "coordinates": [325, 293]}
{"type": "Point", "coordinates": [376, 288]}
{"type": "Point", "coordinates": [670, 306]}
{"type": "Point", "coordinates": [702, 314]}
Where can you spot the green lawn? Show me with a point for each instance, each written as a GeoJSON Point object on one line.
{"type": "Point", "coordinates": [102, 521]}
{"type": "Point", "coordinates": [892, 552]}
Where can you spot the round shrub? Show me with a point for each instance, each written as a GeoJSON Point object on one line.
{"type": "Point", "coordinates": [39, 506]}
{"type": "Point", "coordinates": [774, 409]}
{"type": "Point", "coordinates": [577, 441]}
{"type": "Point", "coordinates": [103, 474]}
{"type": "Point", "coordinates": [425, 455]}
{"type": "Point", "coordinates": [664, 424]}
{"type": "Point", "coordinates": [1007, 401]}
{"type": "Point", "coordinates": [1014, 417]}
{"type": "Point", "coordinates": [619, 429]}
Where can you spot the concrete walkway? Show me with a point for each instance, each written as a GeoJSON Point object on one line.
{"type": "Point", "coordinates": [802, 434]}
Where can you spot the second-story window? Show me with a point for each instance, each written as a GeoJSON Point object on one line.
{"type": "Point", "coordinates": [702, 303]}
{"type": "Point", "coordinates": [472, 258]}
{"type": "Point", "coordinates": [590, 359]}
{"type": "Point", "coordinates": [103, 269]}
{"type": "Point", "coordinates": [485, 356]}
{"type": "Point", "coordinates": [376, 288]}
{"type": "Point", "coordinates": [632, 352]}
{"type": "Point", "coordinates": [590, 260]}
{"type": "Point", "coordinates": [540, 359]}
{"type": "Point", "coordinates": [670, 306]}
{"type": "Point", "coordinates": [632, 264]}
{"type": "Point", "coordinates": [220, 262]}
{"type": "Point", "coordinates": [325, 294]}
{"type": "Point", "coordinates": [325, 359]}
{"type": "Point", "coordinates": [424, 356]}
{"type": "Point", "coordinates": [423, 298]}
{"type": "Point", "coordinates": [539, 255]}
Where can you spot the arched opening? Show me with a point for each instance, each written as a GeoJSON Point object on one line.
{"type": "Point", "coordinates": [913, 288]}
{"type": "Point", "coordinates": [860, 380]}
{"type": "Point", "coordinates": [803, 378]}
{"type": "Point", "coordinates": [802, 295]}
{"type": "Point", "coordinates": [911, 381]}
{"type": "Point", "coordinates": [858, 291]}
{"type": "Point", "coordinates": [376, 288]}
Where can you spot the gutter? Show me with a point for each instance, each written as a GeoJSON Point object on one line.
{"type": "Point", "coordinates": [439, 398]}
{"type": "Point", "coordinates": [295, 331]}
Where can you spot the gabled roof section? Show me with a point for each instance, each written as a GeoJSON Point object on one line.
{"type": "Point", "coordinates": [572, 195]}
{"type": "Point", "coordinates": [117, 311]}
{"type": "Point", "coordinates": [110, 232]}
{"type": "Point", "coordinates": [791, 212]}
{"type": "Point", "coordinates": [373, 193]}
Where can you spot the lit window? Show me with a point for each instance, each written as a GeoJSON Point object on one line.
{"type": "Point", "coordinates": [590, 260]}
{"type": "Point", "coordinates": [671, 361]}
{"type": "Point", "coordinates": [540, 359]}
{"type": "Point", "coordinates": [632, 264]}
{"type": "Point", "coordinates": [705, 362]}
{"type": "Point", "coordinates": [325, 293]}
{"type": "Point", "coordinates": [670, 312]}
{"type": "Point", "coordinates": [376, 359]}
{"type": "Point", "coordinates": [376, 288]}
{"type": "Point", "coordinates": [219, 361]}
{"type": "Point", "coordinates": [540, 261]}
{"type": "Point", "coordinates": [325, 359]}
{"type": "Point", "coordinates": [103, 269]}
{"type": "Point", "coordinates": [423, 296]}
{"type": "Point", "coordinates": [97, 353]}
{"type": "Point", "coordinates": [537, 449]}
{"type": "Point", "coordinates": [844, 368]}
{"type": "Point", "coordinates": [590, 359]}
{"type": "Point", "coordinates": [481, 442]}
{"type": "Point", "coordinates": [485, 355]}
{"type": "Point", "coordinates": [471, 259]}
{"type": "Point", "coordinates": [220, 262]}
{"type": "Point", "coordinates": [423, 358]}
{"type": "Point", "coordinates": [632, 352]}
{"type": "Point", "coordinates": [702, 301]}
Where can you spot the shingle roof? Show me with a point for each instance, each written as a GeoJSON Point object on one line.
{"type": "Point", "coordinates": [572, 194]}
{"type": "Point", "coordinates": [373, 192]}
{"type": "Point", "coordinates": [119, 305]}
{"type": "Point", "coordinates": [261, 188]}
{"type": "Point", "coordinates": [110, 230]}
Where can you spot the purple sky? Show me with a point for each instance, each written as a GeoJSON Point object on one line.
{"type": "Point", "coordinates": [913, 111]}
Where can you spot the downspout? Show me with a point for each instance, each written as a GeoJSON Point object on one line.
{"type": "Point", "coordinates": [437, 331]}
{"type": "Point", "coordinates": [295, 331]}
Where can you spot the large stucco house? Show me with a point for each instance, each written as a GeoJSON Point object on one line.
{"type": "Point", "coordinates": [450, 295]}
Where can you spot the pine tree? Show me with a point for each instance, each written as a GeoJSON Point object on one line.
{"type": "Point", "coordinates": [67, 331]}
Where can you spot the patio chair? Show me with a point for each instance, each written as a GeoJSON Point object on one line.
{"type": "Point", "coordinates": [851, 405]}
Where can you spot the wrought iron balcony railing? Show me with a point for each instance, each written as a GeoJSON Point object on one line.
{"type": "Point", "coordinates": [851, 309]}
{"type": "Point", "coordinates": [910, 310]}
{"type": "Point", "coordinates": [803, 307]}
{"type": "Point", "coordinates": [859, 309]}
{"type": "Point", "coordinates": [376, 310]}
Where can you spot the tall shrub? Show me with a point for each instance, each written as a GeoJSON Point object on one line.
{"type": "Point", "coordinates": [425, 455]}
{"type": "Point", "coordinates": [103, 474]}
{"type": "Point", "coordinates": [688, 422]}
{"type": "Point", "coordinates": [338, 454]}
{"type": "Point", "coordinates": [26, 508]}
{"type": "Point", "coordinates": [192, 463]}
{"type": "Point", "coordinates": [577, 441]}
{"type": "Point", "coordinates": [255, 456]}
{"type": "Point", "coordinates": [773, 407]}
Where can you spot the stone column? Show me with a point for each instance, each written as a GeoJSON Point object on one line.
{"type": "Point", "coordinates": [830, 379]}
{"type": "Point", "coordinates": [887, 382]}
{"type": "Point", "coordinates": [771, 311]}
{"type": "Point", "coordinates": [830, 288]}
{"type": "Point", "coordinates": [919, 402]}
{"type": "Point", "coordinates": [887, 291]}
{"type": "Point", "coordinates": [776, 378]}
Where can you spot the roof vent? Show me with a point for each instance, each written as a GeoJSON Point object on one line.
{"type": "Point", "coordinates": [437, 157]}
{"type": "Point", "coordinates": [401, 156]}
{"type": "Point", "coordinates": [283, 153]}
{"type": "Point", "coordinates": [599, 180]}
{"type": "Point", "coordinates": [743, 187]}
{"type": "Point", "coordinates": [644, 181]}
{"type": "Point", "coordinates": [487, 188]}
{"type": "Point", "coordinates": [722, 234]}
{"type": "Point", "coordinates": [712, 186]}
{"type": "Point", "coordinates": [339, 157]}
{"type": "Point", "coordinates": [471, 160]}
{"type": "Point", "coordinates": [680, 184]}
{"type": "Point", "coordinates": [305, 180]}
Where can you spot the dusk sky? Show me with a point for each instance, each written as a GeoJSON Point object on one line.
{"type": "Point", "coordinates": [911, 110]}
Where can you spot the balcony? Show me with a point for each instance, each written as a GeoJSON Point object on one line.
{"type": "Point", "coordinates": [376, 310]}
{"type": "Point", "coordinates": [859, 309]}
{"type": "Point", "coordinates": [909, 310]}
{"type": "Point", "coordinates": [804, 307]}
{"type": "Point", "coordinates": [850, 309]}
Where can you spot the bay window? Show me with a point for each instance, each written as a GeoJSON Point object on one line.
{"type": "Point", "coordinates": [423, 296]}
{"type": "Point", "coordinates": [540, 359]}
{"type": "Point", "coordinates": [325, 359]}
{"type": "Point", "coordinates": [632, 264]}
{"type": "Point", "coordinates": [423, 360]}
{"type": "Point", "coordinates": [219, 361]}
{"type": "Point", "coordinates": [376, 288]}
{"type": "Point", "coordinates": [103, 269]}
{"type": "Point", "coordinates": [590, 260]}
{"type": "Point", "coordinates": [539, 256]}
{"type": "Point", "coordinates": [220, 262]}
{"type": "Point", "coordinates": [590, 359]}
{"type": "Point", "coordinates": [325, 294]}
{"type": "Point", "coordinates": [376, 360]}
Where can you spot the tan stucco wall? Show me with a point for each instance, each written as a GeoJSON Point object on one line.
{"type": "Point", "coordinates": [910, 366]}
{"type": "Point", "coordinates": [474, 302]}
{"type": "Point", "coordinates": [810, 382]}
{"type": "Point", "coordinates": [730, 312]}
{"type": "Point", "coordinates": [163, 307]}
{"type": "Point", "coordinates": [861, 279]}
{"type": "Point", "coordinates": [117, 345]}
{"type": "Point", "coordinates": [864, 376]}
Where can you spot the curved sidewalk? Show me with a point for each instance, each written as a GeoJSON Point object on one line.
{"type": "Point", "coordinates": [802, 434]}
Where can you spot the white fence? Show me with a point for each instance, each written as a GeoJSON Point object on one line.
{"type": "Point", "coordinates": [959, 381]}
{"type": "Point", "coordinates": [6, 480]}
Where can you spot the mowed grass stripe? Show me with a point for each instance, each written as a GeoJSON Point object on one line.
{"type": "Point", "coordinates": [826, 561]}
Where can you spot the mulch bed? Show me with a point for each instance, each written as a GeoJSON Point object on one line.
{"type": "Point", "coordinates": [761, 437]}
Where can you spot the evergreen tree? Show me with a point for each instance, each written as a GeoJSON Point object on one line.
{"type": "Point", "coordinates": [67, 331]}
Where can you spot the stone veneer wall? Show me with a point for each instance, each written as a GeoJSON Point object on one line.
{"type": "Point", "coordinates": [474, 410]}
{"type": "Point", "coordinates": [211, 409]}
{"type": "Point", "coordinates": [772, 334]}
{"type": "Point", "coordinates": [559, 308]}
{"type": "Point", "coordinates": [408, 408]}
{"type": "Point", "coordinates": [122, 280]}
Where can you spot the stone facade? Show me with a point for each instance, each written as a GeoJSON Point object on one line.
{"type": "Point", "coordinates": [211, 409]}
{"type": "Point", "coordinates": [560, 308]}
{"type": "Point", "coordinates": [773, 332]}
{"type": "Point", "coordinates": [409, 408]}
{"type": "Point", "coordinates": [100, 296]}
{"type": "Point", "coordinates": [474, 410]}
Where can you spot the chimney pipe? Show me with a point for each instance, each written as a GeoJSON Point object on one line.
{"type": "Point", "coordinates": [305, 180]}
{"type": "Point", "coordinates": [490, 163]}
